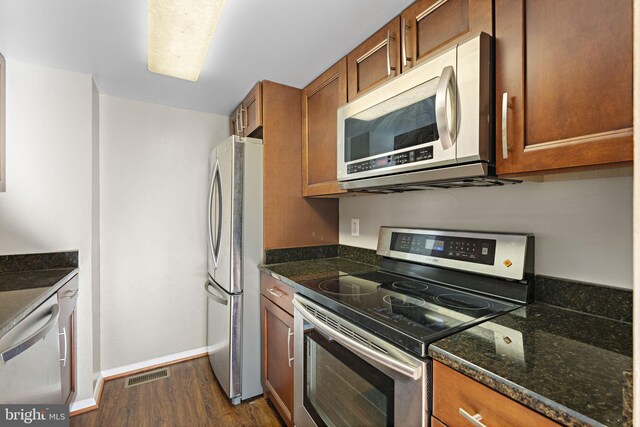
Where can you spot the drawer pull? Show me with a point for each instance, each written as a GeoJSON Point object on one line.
{"type": "Point", "coordinates": [276, 293]}
{"type": "Point", "coordinates": [473, 419]}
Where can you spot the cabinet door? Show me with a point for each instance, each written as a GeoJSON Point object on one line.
{"type": "Point", "coordinates": [430, 26]}
{"type": "Point", "coordinates": [67, 356]}
{"type": "Point", "coordinates": [375, 61]}
{"type": "Point", "coordinates": [251, 110]}
{"type": "Point", "coordinates": [277, 363]}
{"type": "Point", "coordinates": [320, 102]}
{"type": "Point", "coordinates": [563, 84]}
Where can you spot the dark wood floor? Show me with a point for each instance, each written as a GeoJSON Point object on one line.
{"type": "Point", "coordinates": [191, 396]}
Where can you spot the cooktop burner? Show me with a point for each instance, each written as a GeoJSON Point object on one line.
{"type": "Point", "coordinates": [351, 285]}
{"type": "Point", "coordinates": [465, 302]}
{"type": "Point", "coordinates": [411, 313]}
{"type": "Point", "coordinates": [403, 301]}
{"type": "Point", "coordinates": [410, 286]}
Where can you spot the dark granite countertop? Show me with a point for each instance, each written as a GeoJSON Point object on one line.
{"type": "Point", "coordinates": [564, 364]}
{"type": "Point", "coordinates": [22, 291]}
{"type": "Point", "coordinates": [293, 272]}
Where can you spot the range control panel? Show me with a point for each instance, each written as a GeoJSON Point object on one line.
{"type": "Point", "coordinates": [481, 251]}
{"type": "Point", "coordinates": [417, 155]}
{"type": "Point", "coordinates": [506, 255]}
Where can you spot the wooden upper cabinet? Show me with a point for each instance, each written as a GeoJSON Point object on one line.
{"type": "Point", "coordinates": [375, 61]}
{"type": "Point", "coordinates": [246, 119]}
{"type": "Point", "coordinates": [251, 110]}
{"type": "Point", "coordinates": [430, 26]}
{"type": "Point", "coordinates": [320, 102]}
{"type": "Point", "coordinates": [563, 84]}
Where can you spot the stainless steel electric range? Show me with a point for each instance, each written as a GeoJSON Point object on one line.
{"type": "Point", "coordinates": [361, 340]}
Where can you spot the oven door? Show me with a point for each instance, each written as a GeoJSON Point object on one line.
{"type": "Point", "coordinates": [409, 123]}
{"type": "Point", "coordinates": [352, 378]}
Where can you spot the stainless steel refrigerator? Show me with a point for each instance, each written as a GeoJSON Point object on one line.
{"type": "Point", "coordinates": [234, 213]}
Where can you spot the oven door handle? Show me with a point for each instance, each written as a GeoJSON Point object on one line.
{"type": "Point", "coordinates": [414, 372]}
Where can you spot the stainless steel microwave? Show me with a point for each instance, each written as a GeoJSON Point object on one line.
{"type": "Point", "coordinates": [431, 125]}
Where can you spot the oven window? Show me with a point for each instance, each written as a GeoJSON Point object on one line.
{"type": "Point", "coordinates": [341, 389]}
{"type": "Point", "coordinates": [406, 120]}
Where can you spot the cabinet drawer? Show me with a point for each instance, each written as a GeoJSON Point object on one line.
{"type": "Point", "coordinates": [453, 391]}
{"type": "Point", "coordinates": [277, 292]}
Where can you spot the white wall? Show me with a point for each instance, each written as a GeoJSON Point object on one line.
{"type": "Point", "coordinates": [48, 203]}
{"type": "Point", "coordinates": [582, 227]}
{"type": "Point", "coordinates": [153, 183]}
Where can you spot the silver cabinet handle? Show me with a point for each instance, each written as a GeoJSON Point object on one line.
{"type": "Point", "coordinates": [240, 113]}
{"type": "Point", "coordinates": [25, 344]}
{"type": "Point", "coordinates": [64, 334]}
{"type": "Point", "coordinates": [290, 359]}
{"type": "Point", "coordinates": [505, 138]}
{"type": "Point", "coordinates": [403, 40]}
{"type": "Point", "coordinates": [414, 372]}
{"type": "Point", "coordinates": [389, 67]}
{"type": "Point", "coordinates": [238, 124]}
{"type": "Point", "coordinates": [473, 419]}
{"type": "Point", "coordinates": [216, 296]}
{"type": "Point", "coordinates": [275, 292]}
{"type": "Point", "coordinates": [446, 85]}
{"type": "Point", "coordinates": [70, 294]}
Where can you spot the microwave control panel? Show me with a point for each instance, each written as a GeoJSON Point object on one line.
{"type": "Point", "coordinates": [417, 155]}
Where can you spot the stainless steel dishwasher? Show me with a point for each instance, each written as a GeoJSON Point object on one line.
{"type": "Point", "coordinates": [30, 358]}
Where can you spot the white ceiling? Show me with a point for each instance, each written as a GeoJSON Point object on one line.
{"type": "Point", "coordinates": [287, 41]}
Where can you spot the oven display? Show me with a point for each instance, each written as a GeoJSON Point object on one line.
{"type": "Point", "coordinates": [479, 251]}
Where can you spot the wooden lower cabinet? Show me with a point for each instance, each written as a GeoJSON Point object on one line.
{"type": "Point", "coordinates": [67, 297]}
{"type": "Point", "coordinates": [277, 360]}
{"type": "Point", "coordinates": [454, 392]}
{"type": "Point", "coordinates": [436, 422]}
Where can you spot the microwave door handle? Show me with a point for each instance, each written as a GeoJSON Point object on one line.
{"type": "Point", "coordinates": [446, 125]}
{"type": "Point", "coordinates": [414, 372]}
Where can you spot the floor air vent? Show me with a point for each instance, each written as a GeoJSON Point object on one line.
{"type": "Point", "coordinates": [146, 377]}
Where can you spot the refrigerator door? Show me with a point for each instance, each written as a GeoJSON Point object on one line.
{"type": "Point", "coordinates": [224, 345]}
{"type": "Point", "coordinates": [230, 161]}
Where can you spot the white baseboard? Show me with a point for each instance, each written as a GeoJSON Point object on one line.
{"type": "Point", "coordinates": [153, 362]}
{"type": "Point", "coordinates": [87, 403]}
{"type": "Point", "coordinates": [82, 404]}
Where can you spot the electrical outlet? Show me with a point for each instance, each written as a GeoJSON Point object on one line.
{"type": "Point", "coordinates": [355, 227]}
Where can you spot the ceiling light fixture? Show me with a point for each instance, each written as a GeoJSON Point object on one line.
{"type": "Point", "coordinates": [180, 32]}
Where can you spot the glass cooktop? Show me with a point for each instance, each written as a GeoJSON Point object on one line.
{"type": "Point", "coordinates": [410, 313]}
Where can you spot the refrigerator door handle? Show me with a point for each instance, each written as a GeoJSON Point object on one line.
{"type": "Point", "coordinates": [214, 242]}
{"type": "Point", "coordinates": [215, 293]}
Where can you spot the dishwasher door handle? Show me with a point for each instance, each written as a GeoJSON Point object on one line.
{"type": "Point", "coordinates": [28, 342]}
